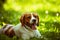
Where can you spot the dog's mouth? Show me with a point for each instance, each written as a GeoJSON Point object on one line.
{"type": "Point", "coordinates": [33, 26]}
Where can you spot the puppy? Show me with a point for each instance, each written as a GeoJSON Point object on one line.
{"type": "Point", "coordinates": [26, 29]}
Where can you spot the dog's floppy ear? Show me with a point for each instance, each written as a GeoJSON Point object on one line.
{"type": "Point", "coordinates": [22, 20]}
{"type": "Point", "coordinates": [38, 20]}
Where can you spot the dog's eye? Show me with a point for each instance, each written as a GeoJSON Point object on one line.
{"type": "Point", "coordinates": [35, 16]}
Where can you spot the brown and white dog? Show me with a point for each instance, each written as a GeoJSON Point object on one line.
{"type": "Point", "coordinates": [26, 29]}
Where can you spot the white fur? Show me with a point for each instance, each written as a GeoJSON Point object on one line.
{"type": "Point", "coordinates": [26, 34]}
{"type": "Point", "coordinates": [7, 27]}
{"type": "Point", "coordinates": [32, 17]}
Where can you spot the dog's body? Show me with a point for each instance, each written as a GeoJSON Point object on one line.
{"type": "Point", "coordinates": [26, 33]}
{"type": "Point", "coordinates": [25, 30]}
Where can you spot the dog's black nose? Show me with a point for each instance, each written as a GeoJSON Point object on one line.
{"type": "Point", "coordinates": [34, 20]}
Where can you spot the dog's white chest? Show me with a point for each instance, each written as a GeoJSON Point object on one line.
{"type": "Point", "coordinates": [26, 32]}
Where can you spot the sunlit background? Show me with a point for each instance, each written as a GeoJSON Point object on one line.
{"type": "Point", "coordinates": [32, 5]}
{"type": "Point", "coordinates": [48, 11]}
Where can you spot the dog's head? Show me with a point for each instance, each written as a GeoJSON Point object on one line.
{"type": "Point", "coordinates": [30, 19]}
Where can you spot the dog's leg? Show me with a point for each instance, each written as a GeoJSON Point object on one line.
{"type": "Point", "coordinates": [37, 34]}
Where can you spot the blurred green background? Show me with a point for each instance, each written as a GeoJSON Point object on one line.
{"type": "Point", "coordinates": [48, 11]}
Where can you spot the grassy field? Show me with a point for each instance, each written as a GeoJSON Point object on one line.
{"type": "Point", "coordinates": [48, 11]}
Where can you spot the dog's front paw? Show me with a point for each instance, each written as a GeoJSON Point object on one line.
{"type": "Point", "coordinates": [37, 34]}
